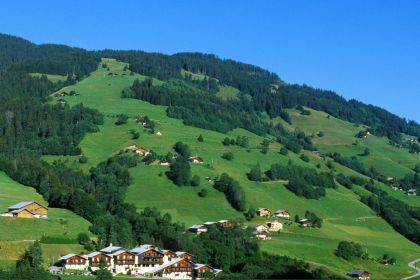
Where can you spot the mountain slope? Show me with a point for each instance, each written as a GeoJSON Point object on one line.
{"type": "Point", "coordinates": [345, 217]}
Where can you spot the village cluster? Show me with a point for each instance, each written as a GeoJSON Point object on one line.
{"type": "Point", "coordinates": [144, 152]}
{"type": "Point", "coordinates": [145, 260]}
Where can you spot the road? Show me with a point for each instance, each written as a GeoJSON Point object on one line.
{"type": "Point", "coordinates": [413, 265]}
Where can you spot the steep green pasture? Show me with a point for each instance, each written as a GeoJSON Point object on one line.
{"type": "Point", "coordinates": [346, 218]}
{"type": "Point", "coordinates": [53, 78]}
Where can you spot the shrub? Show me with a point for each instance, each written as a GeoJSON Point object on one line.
{"type": "Point", "coordinates": [195, 181]}
{"type": "Point", "coordinates": [83, 159]}
{"type": "Point", "coordinates": [200, 138]}
{"type": "Point", "coordinates": [227, 156]}
{"type": "Point", "coordinates": [202, 193]}
{"type": "Point", "coordinates": [284, 151]}
{"type": "Point", "coordinates": [121, 119]}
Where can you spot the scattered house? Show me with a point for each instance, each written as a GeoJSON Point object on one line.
{"type": "Point", "coordinates": [55, 270]}
{"type": "Point", "coordinates": [394, 188]}
{"type": "Point", "coordinates": [262, 235]}
{"type": "Point", "coordinates": [389, 179]}
{"type": "Point", "coordinates": [261, 228]}
{"type": "Point", "coordinates": [73, 261]}
{"type": "Point", "coordinates": [202, 270]}
{"type": "Point", "coordinates": [225, 223]}
{"type": "Point", "coordinates": [159, 133]}
{"type": "Point", "coordinates": [412, 192]}
{"type": "Point", "coordinates": [305, 223]}
{"type": "Point", "coordinates": [198, 229]}
{"type": "Point", "coordinates": [263, 212]}
{"type": "Point", "coordinates": [196, 159]}
{"type": "Point", "coordinates": [184, 255]}
{"type": "Point", "coordinates": [131, 148]}
{"type": "Point", "coordinates": [142, 151]}
{"type": "Point", "coordinates": [207, 224]}
{"type": "Point", "coordinates": [61, 101]}
{"type": "Point", "coordinates": [359, 274]}
{"type": "Point", "coordinates": [163, 162]}
{"type": "Point", "coordinates": [274, 226]}
{"type": "Point", "coordinates": [282, 214]}
{"type": "Point", "coordinates": [27, 209]}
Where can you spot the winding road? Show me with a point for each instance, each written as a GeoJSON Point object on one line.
{"type": "Point", "coordinates": [413, 265]}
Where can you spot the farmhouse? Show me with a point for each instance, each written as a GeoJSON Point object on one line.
{"type": "Point", "coordinates": [142, 151]}
{"type": "Point", "coordinates": [176, 269]}
{"type": "Point", "coordinates": [163, 162]}
{"type": "Point", "coordinates": [145, 260]}
{"type": "Point", "coordinates": [131, 148]}
{"type": "Point", "coordinates": [198, 229]}
{"type": "Point", "coordinates": [196, 159]}
{"type": "Point", "coordinates": [27, 209]}
{"type": "Point", "coordinates": [305, 223]}
{"type": "Point", "coordinates": [274, 226]}
{"type": "Point", "coordinates": [73, 261]}
{"type": "Point", "coordinates": [225, 223]}
{"type": "Point", "coordinates": [282, 214]}
{"type": "Point", "coordinates": [202, 270]}
{"type": "Point", "coordinates": [261, 228]}
{"type": "Point", "coordinates": [412, 192]}
{"type": "Point", "coordinates": [263, 212]}
{"type": "Point", "coordinates": [262, 235]}
{"type": "Point", "coordinates": [359, 274]}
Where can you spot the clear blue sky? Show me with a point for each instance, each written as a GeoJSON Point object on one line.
{"type": "Point", "coordinates": [367, 50]}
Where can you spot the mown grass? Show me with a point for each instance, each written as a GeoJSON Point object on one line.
{"type": "Point", "coordinates": [346, 218]}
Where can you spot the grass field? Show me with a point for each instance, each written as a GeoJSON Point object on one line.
{"type": "Point", "coordinates": [346, 218]}
{"type": "Point", "coordinates": [53, 78]}
{"type": "Point", "coordinates": [16, 234]}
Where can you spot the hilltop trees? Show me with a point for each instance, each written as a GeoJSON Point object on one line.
{"type": "Point", "coordinates": [348, 250]}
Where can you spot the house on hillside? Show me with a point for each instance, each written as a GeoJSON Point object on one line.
{"type": "Point", "coordinates": [142, 151]}
{"type": "Point", "coordinates": [95, 260]}
{"type": "Point", "coordinates": [282, 214]}
{"type": "Point", "coordinates": [147, 258]}
{"type": "Point", "coordinates": [263, 212]}
{"type": "Point", "coordinates": [359, 274]}
{"type": "Point", "coordinates": [184, 255]}
{"type": "Point", "coordinates": [73, 261]}
{"type": "Point", "coordinates": [203, 270]}
{"type": "Point", "coordinates": [163, 162]}
{"type": "Point", "coordinates": [27, 209]}
{"type": "Point", "coordinates": [131, 148]}
{"type": "Point", "coordinates": [196, 159]}
{"type": "Point", "coordinates": [412, 192]}
{"type": "Point", "coordinates": [225, 223]}
{"type": "Point", "coordinates": [198, 229]}
{"type": "Point", "coordinates": [178, 268]}
{"type": "Point", "coordinates": [261, 228]}
{"type": "Point", "coordinates": [274, 226]}
{"type": "Point", "coordinates": [168, 255]}
{"type": "Point", "coordinates": [305, 223]}
{"type": "Point", "coordinates": [262, 235]}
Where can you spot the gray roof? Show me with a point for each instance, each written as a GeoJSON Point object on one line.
{"type": "Point", "coordinates": [19, 210]}
{"type": "Point", "coordinates": [110, 249]}
{"type": "Point", "coordinates": [63, 258]}
{"type": "Point", "coordinates": [143, 248]}
{"type": "Point", "coordinates": [93, 254]}
{"type": "Point", "coordinates": [116, 253]}
{"type": "Point", "coordinates": [20, 205]}
{"type": "Point", "coordinates": [357, 271]}
{"type": "Point", "coordinates": [281, 210]}
{"type": "Point", "coordinates": [196, 226]}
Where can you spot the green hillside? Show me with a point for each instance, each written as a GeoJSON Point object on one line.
{"type": "Point", "coordinates": [345, 217]}
{"type": "Point", "coordinates": [16, 234]}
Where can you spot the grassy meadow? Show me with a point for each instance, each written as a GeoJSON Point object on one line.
{"type": "Point", "coordinates": [345, 217]}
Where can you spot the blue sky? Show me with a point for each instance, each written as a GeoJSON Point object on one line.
{"type": "Point", "coordinates": [367, 50]}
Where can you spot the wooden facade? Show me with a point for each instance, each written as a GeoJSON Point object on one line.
{"type": "Point", "coordinates": [151, 257]}
{"type": "Point", "coordinates": [75, 260]}
{"type": "Point", "coordinates": [96, 260]}
{"type": "Point", "coordinates": [124, 258]}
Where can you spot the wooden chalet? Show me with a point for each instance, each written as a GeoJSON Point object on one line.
{"type": "Point", "coordinates": [282, 214]}
{"type": "Point", "coordinates": [264, 212]}
{"type": "Point", "coordinates": [198, 229]}
{"type": "Point", "coordinates": [203, 270]}
{"type": "Point", "coordinates": [176, 269]}
{"type": "Point", "coordinates": [411, 192]}
{"type": "Point", "coordinates": [147, 255]}
{"type": "Point", "coordinates": [262, 235]}
{"type": "Point", "coordinates": [305, 223]}
{"type": "Point", "coordinates": [274, 226]}
{"type": "Point", "coordinates": [73, 261]}
{"type": "Point", "coordinates": [142, 151]}
{"type": "Point", "coordinates": [163, 162]}
{"type": "Point", "coordinates": [359, 274]}
{"type": "Point", "coordinates": [196, 159]}
{"type": "Point", "coordinates": [168, 255]}
{"type": "Point", "coordinates": [184, 255]}
{"type": "Point", "coordinates": [28, 209]}
{"type": "Point", "coordinates": [94, 260]}
{"type": "Point", "coordinates": [225, 223]}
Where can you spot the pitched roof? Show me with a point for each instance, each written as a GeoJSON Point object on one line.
{"type": "Point", "coordinates": [68, 256]}
{"type": "Point", "coordinates": [280, 211]}
{"type": "Point", "coordinates": [196, 226]}
{"type": "Point", "coordinates": [20, 210]}
{"type": "Point", "coordinates": [119, 252]}
{"type": "Point", "coordinates": [110, 249]}
{"type": "Point", "coordinates": [182, 252]}
{"type": "Point", "coordinates": [144, 248]}
{"type": "Point", "coordinates": [21, 204]}
{"type": "Point", "coordinates": [165, 265]}
{"type": "Point", "coordinates": [93, 254]}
